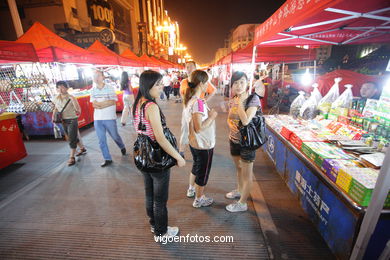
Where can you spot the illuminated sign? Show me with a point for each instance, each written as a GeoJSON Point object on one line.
{"type": "Point", "coordinates": [101, 13]}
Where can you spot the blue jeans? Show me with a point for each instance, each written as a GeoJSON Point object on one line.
{"type": "Point", "coordinates": [156, 197]}
{"type": "Point", "coordinates": [103, 126]}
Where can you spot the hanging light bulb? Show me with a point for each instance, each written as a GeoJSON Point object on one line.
{"type": "Point", "coordinates": [307, 78]}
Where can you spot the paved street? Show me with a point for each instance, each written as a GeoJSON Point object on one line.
{"type": "Point", "coordinates": [51, 211]}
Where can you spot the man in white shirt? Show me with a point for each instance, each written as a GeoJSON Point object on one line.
{"type": "Point", "coordinates": [167, 82]}
{"type": "Point", "coordinates": [104, 99]}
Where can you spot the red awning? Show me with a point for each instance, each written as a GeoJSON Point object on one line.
{"type": "Point", "coordinates": [110, 57]}
{"type": "Point", "coordinates": [161, 64]}
{"type": "Point", "coordinates": [314, 22]}
{"type": "Point", "coordinates": [50, 47]}
{"type": "Point", "coordinates": [11, 52]}
{"type": "Point", "coordinates": [128, 54]}
{"type": "Point", "coordinates": [326, 81]}
{"type": "Point", "coordinates": [148, 62]}
{"type": "Point", "coordinates": [273, 54]}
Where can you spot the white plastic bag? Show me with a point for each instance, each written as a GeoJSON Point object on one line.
{"type": "Point", "coordinates": [342, 104]}
{"type": "Point", "coordinates": [297, 104]}
{"type": "Point", "coordinates": [326, 102]}
{"type": "Point", "coordinates": [309, 108]}
{"type": "Point", "coordinates": [57, 131]}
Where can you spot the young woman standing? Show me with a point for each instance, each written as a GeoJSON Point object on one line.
{"type": "Point", "coordinates": [156, 184]}
{"type": "Point", "coordinates": [241, 110]}
{"type": "Point", "coordinates": [201, 134]}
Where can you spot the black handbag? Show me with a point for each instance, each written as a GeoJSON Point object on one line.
{"type": "Point", "coordinates": [58, 115]}
{"type": "Point", "coordinates": [253, 135]}
{"type": "Point", "coordinates": [148, 154]}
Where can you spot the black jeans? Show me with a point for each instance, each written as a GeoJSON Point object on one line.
{"type": "Point", "coordinates": [167, 91]}
{"type": "Point", "coordinates": [156, 197]}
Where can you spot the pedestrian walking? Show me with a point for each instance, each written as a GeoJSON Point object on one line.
{"type": "Point", "coordinates": [104, 99]}
{"type": "Point", "coordinates": [201, 122]}
{"type": "Point", "coordinates": [147, 111]}
{"type": "Point", "coordinates": [70, 110]}
{"type": "Point", "coordinates": [167, 82]}
{"type": "Point", "coordinates": [243, 158]}
{"type": "Point", "coordinates": [128, 97]}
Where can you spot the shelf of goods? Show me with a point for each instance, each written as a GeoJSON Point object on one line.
{"type": "Point", "coordinates": [28, 89]}
{"type": "Point", "coordinates": [333, 186]}
{"type": "Point", "coordinates": [12, 148]}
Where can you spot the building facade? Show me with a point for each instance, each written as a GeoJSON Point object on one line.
{"type": "Point", "coordinates": [159, 35]}
{"type": "Point", "coordinates": [241, 36]}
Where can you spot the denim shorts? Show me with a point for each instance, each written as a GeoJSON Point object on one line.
{"type": "Point", "coordinates": [245, 154]}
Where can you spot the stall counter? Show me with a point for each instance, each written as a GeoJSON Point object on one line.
{"type": "Point", "coordinates": [12, 147]}
{"type": "Point", "coordinates": [336, 216]}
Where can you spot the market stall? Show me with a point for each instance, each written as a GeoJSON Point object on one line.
{"type": "Point", "coordinates": [334, 199]}
{"type": "Point", "coordinates": [34, 83]}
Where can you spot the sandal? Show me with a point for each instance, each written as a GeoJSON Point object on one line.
{"type": "Point", "coordinates": [72, 161]}
{"type": "Point", "coordinates": [82, 152]}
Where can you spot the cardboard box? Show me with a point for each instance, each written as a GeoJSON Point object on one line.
{"type": "Point", "coordinates": [331, 167]}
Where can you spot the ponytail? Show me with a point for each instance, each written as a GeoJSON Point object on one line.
{"type": "Point", "coordinates": [196, 77]}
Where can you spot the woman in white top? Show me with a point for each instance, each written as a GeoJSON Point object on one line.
{"type": "Point", "coordinates": [201, 136]}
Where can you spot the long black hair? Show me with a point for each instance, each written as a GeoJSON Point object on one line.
{"type": "Point", "coordinates": [125, 81]}
{"type": "Point", "coordinates": [147, 80]}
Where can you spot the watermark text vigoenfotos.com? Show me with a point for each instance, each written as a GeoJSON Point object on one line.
{"type": "Point", "coordinates": [193, 239]}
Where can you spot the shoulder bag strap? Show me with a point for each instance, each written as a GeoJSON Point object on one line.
{"type": "Point", "coordinates": [67, 102]}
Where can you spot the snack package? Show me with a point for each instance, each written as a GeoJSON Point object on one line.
{"type": "Point", "coordinates": [326, 102]}
{"type": "Point", "coordinates": [309, 110]}
{"type": "Point", "coordinates": [342, 104]}
{"type": "Point", "coordinates": [297, 104]}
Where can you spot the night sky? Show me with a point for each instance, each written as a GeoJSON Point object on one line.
{"type": "Point", "coordinates": [205, 24]}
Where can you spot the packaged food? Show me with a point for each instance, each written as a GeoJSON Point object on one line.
{"type": "Point", "coordinates": [343, 103]}
{"type": "Point", "coordinates": [309, 110]}
{"type": "Point", "coordinates": [326, 102]}
{"type": "Point", "coordinates": [297, 104]}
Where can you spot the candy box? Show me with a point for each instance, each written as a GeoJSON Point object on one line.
{"type": "Point", "coordinates": [331, 167]}
{"type": "Point", "coordinates": [297, 138]}
{"type": "Point", "coordinates": [344, 179]}
{"type": "Point", "coordinates": [286, 133]}
{"type": "Point", "coordinates": [362, 186]}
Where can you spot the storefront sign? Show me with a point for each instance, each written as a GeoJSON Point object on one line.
{"type": "Point", "coordinates": [101, 13]}
{"type": "Point", "coordinates": [85, 40]}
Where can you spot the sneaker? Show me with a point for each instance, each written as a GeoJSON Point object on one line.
{"type": "Point", "coordinates": [202, 202]}
{"type": "Point", "coordinates": [171, 232]}
{"type": "Point", "coordinates": [123, 151]}
{"type": "Point", "coordinates": [191, 192]}
{"type": "Point", "coordinates": [234, 194]}
{"type": "Point", "coordinates": [237, 207]}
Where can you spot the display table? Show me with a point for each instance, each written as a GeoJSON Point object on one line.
{"type": "Point", "coordinates": [335, 215]}
{"type": "Point", "coordinates": [12, 148]}
{"type": "Point", "coordinates": [39, 123]}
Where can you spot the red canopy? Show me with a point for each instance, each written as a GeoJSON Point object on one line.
{"type": "Point", "coordinates": [162, 65]}
{"type": "Point", "coordinates": [148, 62]}
{"type": "Point", "coordinates": [110, 57]}
{"type": "Point", "coordinates": [326, 22]}
{"type": "Point", "coordinates": [170, 64]}
{"type": "Point", "coordinates": [11, 52]}
{"type": "Point", "coordinates": [326, 81]}
{"type": "Point", "coordinates": [50, 47]}
{"type": "Point", "coordinates": [131, 55]}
